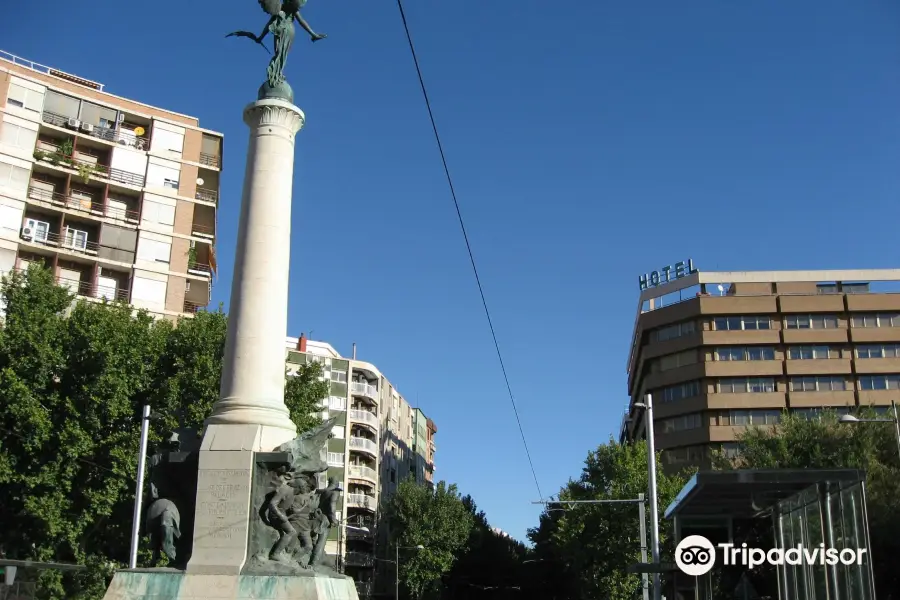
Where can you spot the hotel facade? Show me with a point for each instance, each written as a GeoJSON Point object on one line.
{"type": "Point", "coordinates": [720, 352]}
{"type": "Point", "coordinates": [116, 197]}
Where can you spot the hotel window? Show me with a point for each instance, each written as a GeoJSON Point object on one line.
{"type": "Point", "coordinates": [879, 382]}
{"type": "Point", "coordinates": [748, 353]}
{"type": "Point", "coordinates": [680, 392]}
{"type": "Point", "coordinates": [878, 351]}
{"type": "Point", "coordinates": [682, 423]}
{"type": "Point", "coordinates": [811, 322]}
{"type": "Point", "coordinates": [876, 320]}
{"type": "Point", "coordinates": [679, 359]}
{"type": "Point", "coordinates": [671, 332]}
{"type": "Point", "coordinates": [810, 352]}
{"type": "Point", "coordinates": [819, 383]}
{"type": "Point", "coordinates": [746, 385]}
{"type": "Point", "coordinates": [746, 418]}
{"type": "Point", "coordinates": [742, 323]}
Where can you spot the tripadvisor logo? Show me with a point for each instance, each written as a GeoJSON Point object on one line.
{"type": "Point", "coordinates": [696, 555]}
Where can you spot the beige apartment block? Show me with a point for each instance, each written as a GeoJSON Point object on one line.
{"type": "Point", "coordinates": [116, 197]}
{"type": "Point", "coordinates": [379, 440]}
{"type": "Point", "coordinates": [720, 352]}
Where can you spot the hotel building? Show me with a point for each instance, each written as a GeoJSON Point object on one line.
{"type": "Point", "coordinates": [723, 351]}
{"type": "Point", "coordinates": [116, 197]}
{"type": "Point", "coordinates": [379, 440]}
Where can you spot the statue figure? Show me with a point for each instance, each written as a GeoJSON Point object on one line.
{"type": "Point", "coordinates": [281, 26]}
{"type": "Point", "coordinates": [325, 518]}
{"type": "Point", "coordinates": [164, 525]}
{"type": "Point", "coordinates": [277, 514]}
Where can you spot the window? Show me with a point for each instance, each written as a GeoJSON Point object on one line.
{"type": "Point", "coordinates": [17, 136]}
{"type": "Point", "coordinates": [163, 173]}
{"type": "Point", "coordinates": [149, 291]}
{"type": "Point", "coordinates": [61, 105]}
{"type": "Point", "coordinates": [686, 454]}
{"type": "Point", "coordinates": [746, 385]}
{"type": "Point", "coordinates": [96, 114]}
{"type": "Point", "coordinates": [879, 382]}
{"type": "Point", "coordinates": [680, 392]}
{"type": "Point", "coordinates": [166, 141]}
{"type": "Point", "coordinates": [10, 218]}
{"type": "Point", "coordinates": [37, 230]}
{"type": "Point", "coordinates": [337, 403]}
{"type": "Point", "coordinates": [13, 177]}
{"type": "Point", "coordinates": [746, 418]}
{"type": "Point", "coordinates": [75, 239]}
{"type": "Point", "coordinates": [827, 288]}
{"type": "Point", "coordinates": [748, 353]}
{"type": "Point", "coordinates": [337, 432]}
{"type": "Point", "coordinates": [876, 320]}
{"type": "Point", "coordinates": [855, 288]}
{"type": "Point", "coordinates": [731, 449]}
{"type": "Point", "coordinates": [741, 323]}
{"type": "Point", "coordinates": [336, 459]}
{"type": "Point", "coordinates": [809, 352]}
{"type": "Point", "coordinates": [811, 322]}
{"type": "Point", "coordinates": [339, 376]}
{"type": "Point", "coordinates": [679, 359]}
{"type": "Point", "coordinates": [170, 183]}
{"type": "Point", "coordinates": [878, 351]}
{"type": "Point", "coordinates": [154, 251]}
{"type": "Point", "coordinates": [670, 332]}
{"type": "Point", "coordinates": [156, 212]}
{"type": "Point", "coordinates": [24, 98]}
{"type": "Point", "coordinates": [682, 423]}
{"type": "Point", "coordinates": [818, 383]}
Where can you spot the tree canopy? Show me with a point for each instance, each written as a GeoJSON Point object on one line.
{"type": "Point", "coordinates": [824, 442]}
{"type": "Point", "coordinates": [584, 550]}
{"type": "Point", "coordinates": [73, 379]}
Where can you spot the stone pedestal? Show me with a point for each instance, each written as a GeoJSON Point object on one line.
{"type": "Point", "coordinates": [159, 584]}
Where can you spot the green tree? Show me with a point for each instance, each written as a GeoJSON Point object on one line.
{"type": "Point", "coordinates": [489, 565]}
{"type": "Point", "coordinates": [73, 378]}
{"type": "Point", "coordinates": [434, 518]}
{"type": "Point", "coordinates": [824, 442]}
{"type": "Point", "coordinates": [593, 545]}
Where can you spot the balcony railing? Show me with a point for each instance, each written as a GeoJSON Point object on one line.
{"type": "Point", "coordinates": [192, 308]}
{"type": "Point", "coordinates": [93, 290]}
{"type": "Point", "coordinates": [115, 136]}
{"type": "Point", "coordinates": [359, 443]}
{"type": "Point", "coordinates": [364, 416]}
{"type": "Point", "coordinates": [59, 241]}
{"type": "Point", "coordinates": [206, 195]}
{"type": "Point", "coordinates": [362, 501]}
{"type": "Point", "coordinates": [87, 168]}
{"type": "Point", "coordinates": [77, 204]}
{"type": "Point", "coordinates": [201, 268]}
{"type": "Point", "coordinates": [364, 389]}
{"type": "Point", "coordinates": [364, 472]}
{"type": "Point", "coordinates": [360, 559]}
{"type": "Point", "coordinates": [203, 230]}
{"type": "Point", "coordinates": [364, 588]}
{"type": "Point", "coordinates": [210, 160]}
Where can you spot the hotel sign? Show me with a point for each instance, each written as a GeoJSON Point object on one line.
{"type": "Point", "coordinates": [667, 274]}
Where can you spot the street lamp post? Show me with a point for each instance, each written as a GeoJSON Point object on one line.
{"type": "Point", "coordinates": [654, 501]}
{"type": "Point", "coordinates": [850, 419]}
{"type": "Point", "coordinates": [139, 489]}
{"type": "Point", "coordinates": [397, 567]}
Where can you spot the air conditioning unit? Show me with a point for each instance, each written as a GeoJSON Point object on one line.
{"type": "Point", "coordinates": [88, 127]}
{"type": "Point", "coordinates": [187, 286]}
{"type": "Point", "coordinates": [74, 123]}
{"type": "Point", "coordinates": [27, 233]}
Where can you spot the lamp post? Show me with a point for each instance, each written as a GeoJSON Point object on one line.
{"type": "Point", "coordinates": [139, 490]}
{"type": "Point", "coordinates": [654, 501]}
{"type": "Point", "coordinates": [397, 567]}
{"type": "Point", "coordinates": [850, 419]}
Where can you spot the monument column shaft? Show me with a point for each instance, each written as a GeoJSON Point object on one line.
{"type": "Point", "coordinates": [252, 387]}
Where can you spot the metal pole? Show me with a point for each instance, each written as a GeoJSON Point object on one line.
{"type": "Point", "coordinates": [397, 571]}
{"type": "Point", "coordinates": [654, 508]}
{"type": "Point", "coordinates": [896, 424]}
{"type": "Point", "coordinates": [139, 490]}
{"type": "Point", "coordinates": [645, 579]}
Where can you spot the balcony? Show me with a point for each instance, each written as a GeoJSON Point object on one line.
{"type": "Point", "coordinates": [364, 389]}
{"type": "Point", "coordinates": [79, 202]}
{"type": "Point", "coordinates": [364, 416]}
{"type": "Point", "coordinates": [363, 472]}
{"type": "Point", "coordinates": [364, 588]}
{"type": "Point", "coordinates": [86, 166]}
{"type": "Point", "coordinates": [38, 232]}
{"type": "Point", "coordinates": [360, 559]}
{"type": "Point", "coordinates": [210, 160]}
{"type": "Point", "coordinates": [207, 195]}
{"type": "Point", "coordinates": [359, 443]}
{"type": "Point", "coordinates": [121, 136]}
{"type": "Point", "coordinates": [362, 501]}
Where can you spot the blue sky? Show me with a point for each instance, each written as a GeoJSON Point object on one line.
{"type": "Point", "coordinates": [590, 142]}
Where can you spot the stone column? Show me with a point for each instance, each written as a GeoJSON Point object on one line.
{"type": "Point", "coordinates": [252, 388]}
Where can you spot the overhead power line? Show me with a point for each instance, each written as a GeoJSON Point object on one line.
{"type": "Point", "coordinates": [462, 226]}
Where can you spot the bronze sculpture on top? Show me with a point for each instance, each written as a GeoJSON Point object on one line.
{"type": "Point", "coordinates": [281, 26]}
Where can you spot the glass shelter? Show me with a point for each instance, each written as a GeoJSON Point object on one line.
{"type": "Point", "coordinates": [817, 518]}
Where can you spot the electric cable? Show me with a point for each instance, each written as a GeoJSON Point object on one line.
{"type": "Point", "coordinates": [462, 226]}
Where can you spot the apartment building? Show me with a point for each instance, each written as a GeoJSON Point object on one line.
{"type": "Point", "coordinates": [720, 352]}
{"type": "Point", "coordinates": [379, 440]}
{"type": "Point", "coordinates": [116, 197]}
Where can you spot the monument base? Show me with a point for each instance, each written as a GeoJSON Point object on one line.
{"type": "Point", "coordinates": [170, 584]}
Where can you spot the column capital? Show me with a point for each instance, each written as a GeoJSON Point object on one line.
{"type": "Point", "coordinates": [272, 112]}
